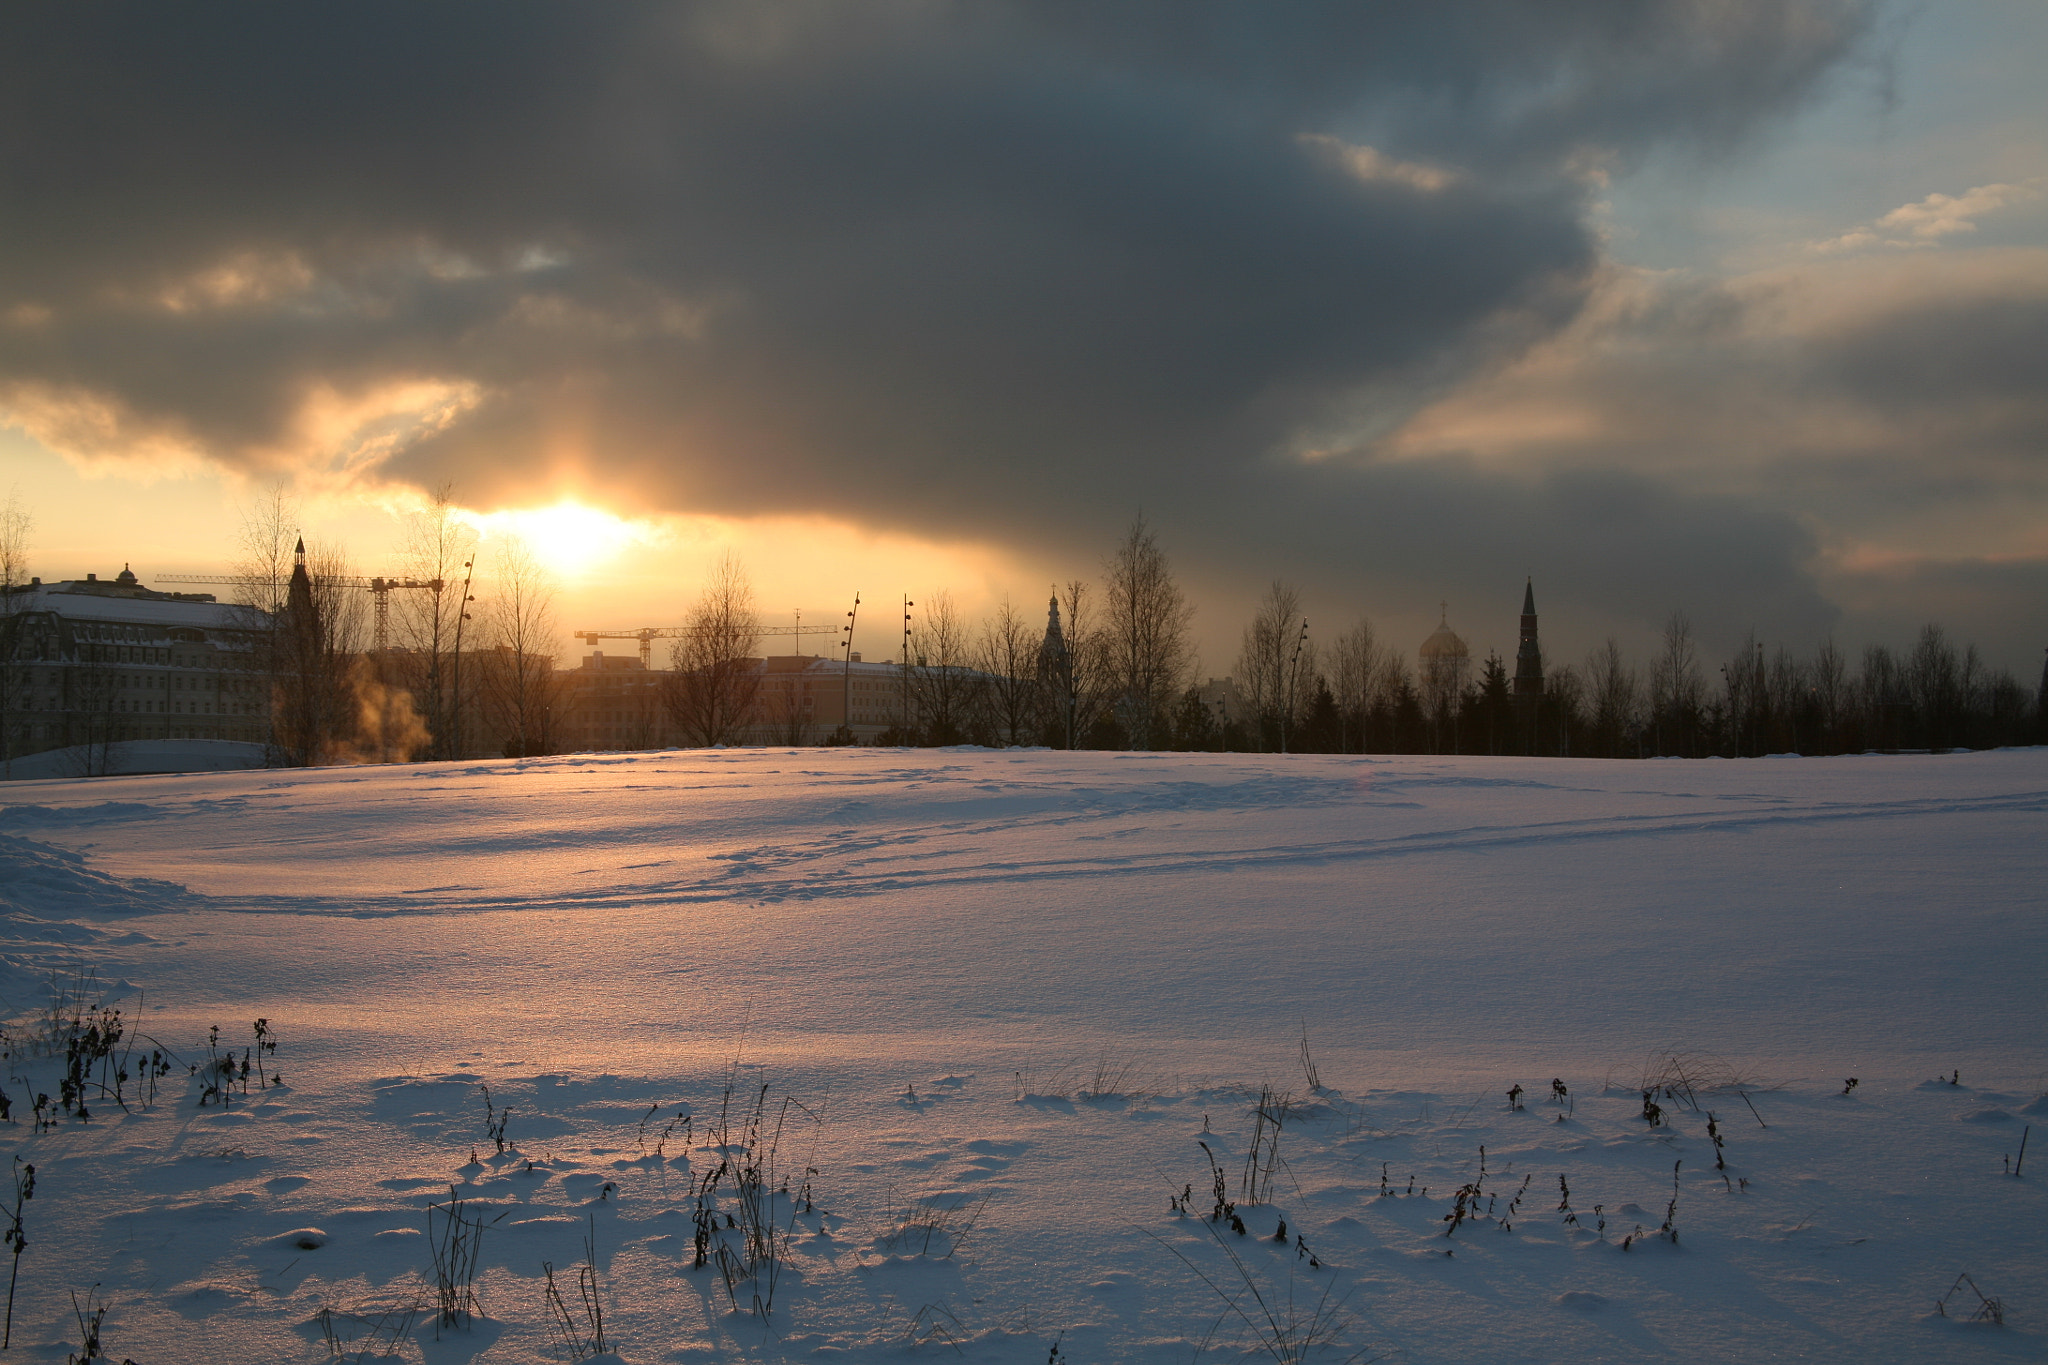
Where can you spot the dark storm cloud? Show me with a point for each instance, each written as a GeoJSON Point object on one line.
{"type": "Point", "coordinates": [1610, 551]}
{"type": "Point", "coordinates": [973, 270]}
{"type": "Point", "coordinates": [1985, 601]}
{"type": "Point", "coordinates": [1975, 360]}
{"type": "Point", "coordinates": [1886, 413]}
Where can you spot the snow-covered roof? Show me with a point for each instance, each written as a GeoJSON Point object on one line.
{"type": "Point", "coordinates": [153, 611]}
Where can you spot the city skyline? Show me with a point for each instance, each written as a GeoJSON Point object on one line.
{"type": "Point", "coordinates": [1736, 312]}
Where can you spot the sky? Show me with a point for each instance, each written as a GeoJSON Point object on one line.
{"type": "Point", "coordinates": [1738, 309]}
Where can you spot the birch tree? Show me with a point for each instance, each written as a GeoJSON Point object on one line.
{"type": "Point", "coordinates": [1073, 680]}
{"type": "Point", "coordinates": [1676, 692]}
{"type": "Point", "coordinates": [1356, 671]}
{"type": "Point", "coordinates": [1146, 620]}
{"type": "Point", "coordinates": [711, 694]}
{"type": "Point", "coordinates": [519, 690]}
{"type": "Point", "coordinates": [1612, 683]}
{"type": "Point", "coordinates": [440, 550]}
{"type": "Point", "coordinates": [1266, 662]}
{"type": "Point", "coordinates": [942, 681]}
{"type": "Point", "coordinates": [1006, 654]}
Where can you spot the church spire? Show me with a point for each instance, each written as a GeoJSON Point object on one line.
{"type": "Point", "coordinates": [1052, 650]}
{"type": "Point", "coordinates": [1529, 655]}
{"type": "Point", "coordinates": [298, 598]}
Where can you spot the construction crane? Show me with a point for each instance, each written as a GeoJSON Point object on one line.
{"type": "Point", "coordinates": [647, 635]}
{"type": "Point", "coordinates": [380, 587]}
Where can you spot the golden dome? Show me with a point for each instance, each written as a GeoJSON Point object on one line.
{"type": "Point", "coordinates": [1444, 643]}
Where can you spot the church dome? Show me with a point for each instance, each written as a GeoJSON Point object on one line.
{"type": "Point", "coordinates": [1444, 643]}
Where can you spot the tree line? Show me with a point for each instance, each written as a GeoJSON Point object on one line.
{"type": "Point", "coordinates": [1119, 673]}
{"type": "Point", "coordinates": [470, 669]}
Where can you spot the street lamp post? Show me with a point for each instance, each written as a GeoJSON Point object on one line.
{"type": "Point", "coordinates": [1287, 688]}
{"type": "Point", "coordinates": [846, 675]}
{"type": "Point", "coordinates": [903, 707]}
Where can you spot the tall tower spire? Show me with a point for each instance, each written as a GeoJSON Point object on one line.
{"type": "Point", "coordinates": [1529, 655]}
{"type": "Point", "coordinates": [1056, 670]}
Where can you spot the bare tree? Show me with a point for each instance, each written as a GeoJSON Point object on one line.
{"type": "Point", "coordinates": [784, 718]}
{"type": "Point", "coordinates": [441, 550]}
{"type": "Point", "coordinates": [1614, 697]}
{"type": "Point", "coordinates": [1072, 669]}
{"type": "Point", "coordinates": [1787, 700]}
{"type": "Point", "coordinates": [1393, 688]}
{"type": "Point", "coordinates": [1831, 694]}
{"type": "Point", "coordinates": [1145, 636]}
{"type": "Point", "coordinates": [942, 681]}
{"type": "Point", "coordinates": [519, 693]}
{"type": "Point", "coordinates": [15, 526]}
{"type": "Point", "coordinates": [270, 528]}
{"type": "Point", "coordinates": [1937, 682]}
{"type": "Point", "coordinates": [1268, 663]}
{"type": "Point", "coordinates": [1743, 696]}
{"type": "Point", "coordinates": [1006, 656]}
{"type": "Point", "coordinates": [1676, 693]}
{"type": "Point", "coordinates": [1356, 672]}
{"type": "Point", "coordinates": [1567, 691]}
{"type": "Point", "coordinates": [717, 677]}
{"type": "Point", "coordinates": [91, 692]}
{"type": "Point", "coordinates": [1881, 696]}
{"type": "Point", "coordinates": [269, 536]}
{"type": "Point", "coordinates": [326, 703]}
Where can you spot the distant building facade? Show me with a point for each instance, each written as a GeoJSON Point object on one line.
{"type": "Point", "coordinates": [95, 661]}
{"type": "Point", "coordinates": [612, 701]}
{"type": "Point", "coordinates": [617, 702]}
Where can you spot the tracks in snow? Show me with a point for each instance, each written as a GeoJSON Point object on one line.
{"type": "Point", "coordinates": [858, 864]}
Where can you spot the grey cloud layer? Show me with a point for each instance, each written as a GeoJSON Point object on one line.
{"type": "Point", "coordinates": [977, 268]}
{"type": "Point", "coordinates": [1899, 406]}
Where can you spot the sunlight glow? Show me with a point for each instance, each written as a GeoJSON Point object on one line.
{"type": "Point", "coordinates": [569, 538]}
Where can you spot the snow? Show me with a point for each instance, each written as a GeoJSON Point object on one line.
{"type": "Point", "coordinates": [128, 757]}
{"type": "Point", "coordinates": [1014, 993]}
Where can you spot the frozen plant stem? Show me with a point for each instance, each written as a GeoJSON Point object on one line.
{"type": "Point", "coordinates": [24, 1190]}
{"type": "Point", "coordinates": [576, 1340]}
{"type": "Point", "coordinates": [1308, 1063]}
{"type": "Point", "coordinates": [90, 1315]}
{"type": "Point", "coordinates": [266, 1043]}
{"type": "Point", "coordinates": [457, 1245]}
{"type": "Point", "coordinates": [1288, 1331]}
{"type": "Point", "coordinates": [495, 1120]}
{"type": "Point", "coordinates": [1988, 1309]}
{"type": "Point", "coordinates": [1263, 1154]}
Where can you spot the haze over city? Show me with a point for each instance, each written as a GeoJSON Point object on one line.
{"type": "Point", "coordinates": [1737, 310]}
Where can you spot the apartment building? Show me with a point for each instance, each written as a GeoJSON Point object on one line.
{"type": "Point", "coordinates": [617, 702]}
{"type": "Point", "coordinates": [93, 661]}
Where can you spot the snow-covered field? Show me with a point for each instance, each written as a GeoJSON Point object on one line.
{"type": "Point", "coordinates": [1011, 996]}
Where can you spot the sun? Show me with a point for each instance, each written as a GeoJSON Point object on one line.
{"type": "Point", "coordinates": [568, 538]}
